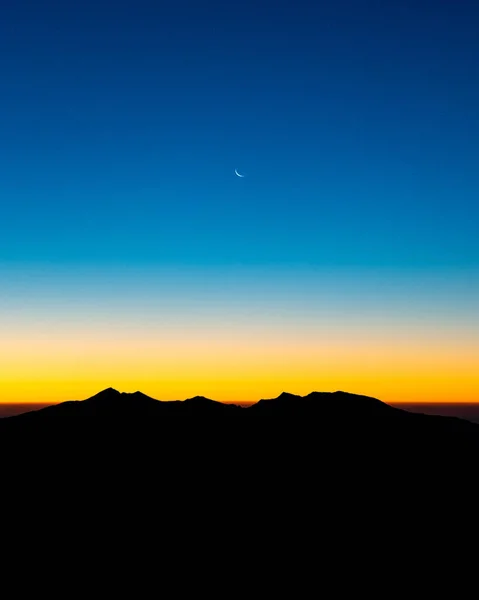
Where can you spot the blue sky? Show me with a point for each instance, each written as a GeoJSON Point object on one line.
{"type": "Point", "coordinates": [355, 123]}
{"type": "Point", "coordinates": [132, 256]}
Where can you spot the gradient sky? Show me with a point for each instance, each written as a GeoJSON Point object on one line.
{"type": "Point", "coordinates": [132, 256]}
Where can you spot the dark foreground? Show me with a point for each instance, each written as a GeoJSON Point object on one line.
{"type": "Point", "coordinates": [314, 472]}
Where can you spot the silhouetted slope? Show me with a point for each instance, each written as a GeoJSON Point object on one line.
{"type": "Point", "coordinates": [112, 404]}
{"type": "Point", "coordinates": [337, 421]}
{"type": "Point", "coordinates": [357, 427]}
{"type": "Point", "coordinates": [354, 410]}
{"type": "Point", "coordinates": [302, 449]}
{"type": "Point", "coordinates": [107, 403]}
{"type": "Point", "coordinates": [319, 417]}
{"type": "Point", "coordinates": [337, 404]}
{"type": "Point", "coordinates": [200, 405]}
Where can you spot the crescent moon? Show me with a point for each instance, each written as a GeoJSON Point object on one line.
{"type": "Point", "coordinates": [238, 174]}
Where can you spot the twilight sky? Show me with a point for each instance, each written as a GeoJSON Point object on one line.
{"type": "Point", "coordinates": [132, 256]}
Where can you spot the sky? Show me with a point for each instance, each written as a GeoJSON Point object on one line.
{"type": "Point", "coordinates": [132, 256]}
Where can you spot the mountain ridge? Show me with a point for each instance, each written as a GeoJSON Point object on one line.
{"type": "Point", "coordinates": [299, 434]}
{"type": "Point", "coordinates": [347, 406]}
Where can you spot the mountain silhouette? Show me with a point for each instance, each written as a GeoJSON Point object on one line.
{"type": "Point", "coordinates": [302, 447]}
{"type": "Point", "coordinates": [323, 415]}
{"type": "Point", "coordinates": [327, 403]}
{"type": "Point", "coordinates": [112, 404]}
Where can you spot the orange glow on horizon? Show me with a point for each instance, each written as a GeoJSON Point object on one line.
{"type": "Point", "coordinates": [239, 351]}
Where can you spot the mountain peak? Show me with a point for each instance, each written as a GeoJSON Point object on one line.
{"type": "Point", "coordinates": [287, 395]}
{"type": "Point", "coordinates": [108, 392]}
{"type": "Point", "coordinates": [199, 399]}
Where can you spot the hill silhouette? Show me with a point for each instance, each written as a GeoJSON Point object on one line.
{"type": "Point", "coordinates": [353, 418]}
{"type": "Point", "coordinates": [112, 404]}
{"type": "Point", "coordinates": [306, 449]}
